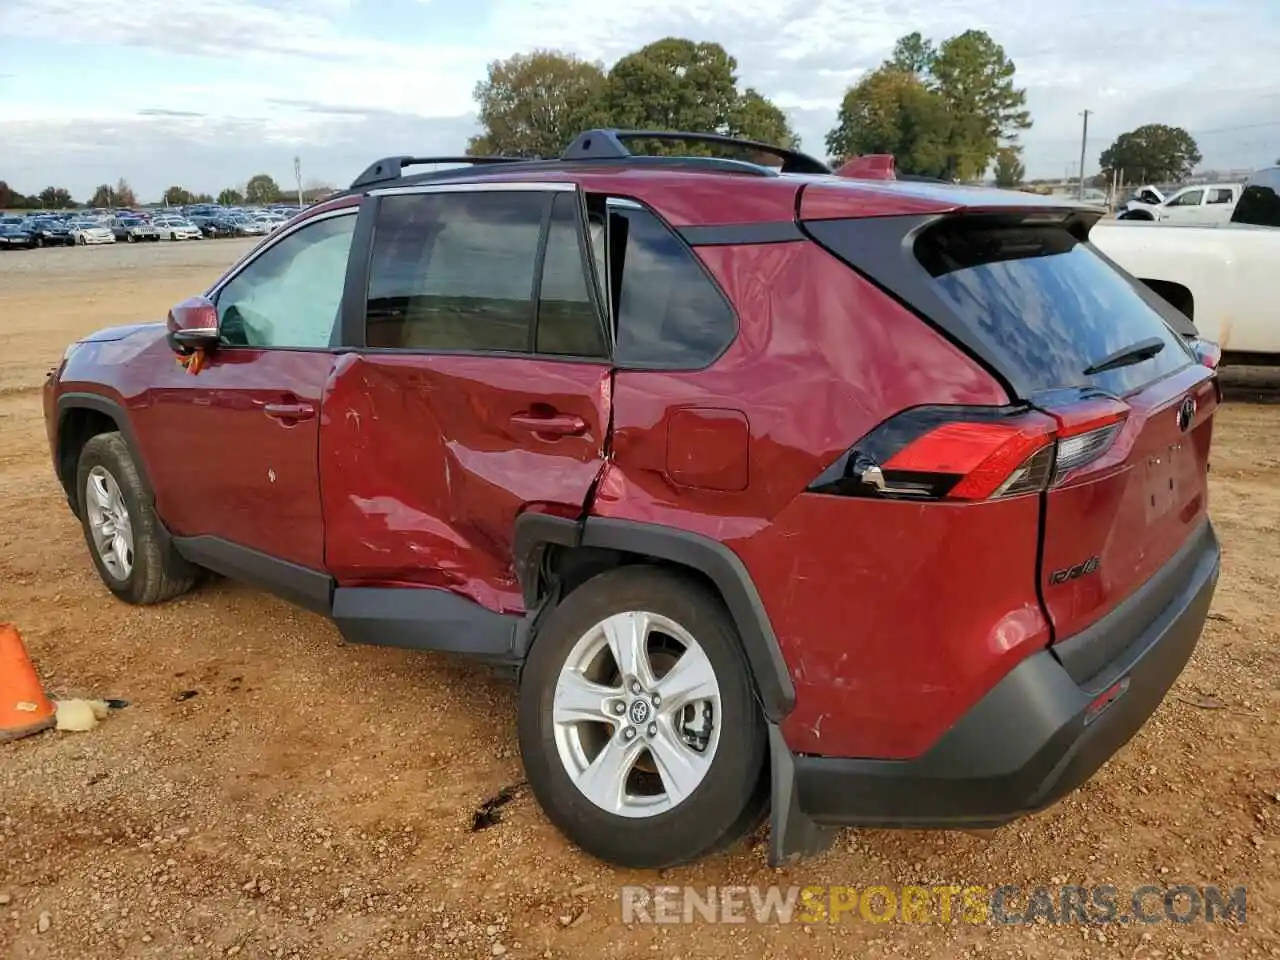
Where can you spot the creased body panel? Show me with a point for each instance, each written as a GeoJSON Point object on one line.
{"type": "Point", "coordinates": [427, 460]}
{"type": "Point", "coordinates": [817, 338]}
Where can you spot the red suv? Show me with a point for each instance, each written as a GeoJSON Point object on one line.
{"type": "Point", "coordinates": [878, 503]}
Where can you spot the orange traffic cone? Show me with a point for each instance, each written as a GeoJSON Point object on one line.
{"type": "Point", "coordinates": [24, 708]}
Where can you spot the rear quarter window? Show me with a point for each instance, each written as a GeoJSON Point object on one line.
{"type": "Point", "coordinates": [1050, 301]}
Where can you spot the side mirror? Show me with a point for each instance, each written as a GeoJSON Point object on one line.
{"type": "Point", "coordinates": [193, 325]}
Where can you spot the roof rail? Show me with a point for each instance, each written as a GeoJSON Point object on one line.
{"type": "Point", "coordinates": [608, 145]}
{"type": "Point", "coordinates": [391, 168]}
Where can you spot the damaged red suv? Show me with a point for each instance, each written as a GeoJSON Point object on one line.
{"type": "Point", "coordinates": [866, 502]}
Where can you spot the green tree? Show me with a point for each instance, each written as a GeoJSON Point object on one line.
{"type": "Point", "coordinates": [10, 199]}
{"type": "Point", "coordinates": [677, 84]}
{"type": "Point", "coordinates": [674, 84]}
{"type": "Point", "coordinates": [177, 196]}
{"type": "Point", "coordinates": [103, 196]}
{"type": "Point", "coordinates": [202, 198]}
{"type": "Point", "coordinates": [230, 197]}
{"type": "Point", "coordinates": [976, 80]}
{"type": "Point", "coordinates": [534, 104]}
{"type": "Point", "coordinates": [56, 198]}
{"type": "Point", "coordinates": [261, 189]}
{"type": "Point", "coordinates": [755, 117]}
{"type": "Point", "coordinates": [1010, 171]}
{"type": "Point", "coordinates": [893, 111]}
{"type": "Point", "coordinates": [1152, 153]}
{"type": "Point", "coordinates": [913, 54]}
{"type": "Point", "coordinates": [124, 194]}
{"type": "Point", "coordinates": [940, 111]}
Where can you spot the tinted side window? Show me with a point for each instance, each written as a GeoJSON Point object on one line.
{"type": "Point", "coordinates": [290, 295]}
{"type": "Point", "coordinates": [1219, 196]}
{"type": "Point", "coordinates": [455, 271]}
{"type": "Point", "coordinates": [568, 324]}
{"type": "Point", "coordinates": [669, 313]}
{"type": "Point", "coordinates": [1260, 202]}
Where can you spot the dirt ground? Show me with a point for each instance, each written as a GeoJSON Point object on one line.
{"type": "Point", "coordinates": [272, 792]}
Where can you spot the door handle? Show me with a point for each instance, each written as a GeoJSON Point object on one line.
{"type": "Point", "coordinates": [289, 411]}
{"type": "Point", "coordinates": [556, 425]}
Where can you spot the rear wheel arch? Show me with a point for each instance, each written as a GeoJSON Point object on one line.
{"type": "Point", "coordinates": [554, 555]}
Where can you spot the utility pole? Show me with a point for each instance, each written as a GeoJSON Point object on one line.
{"type": "Point", "coordinates": [1084, 140]}
{"type": "Point", "coordinates": [297, 173]}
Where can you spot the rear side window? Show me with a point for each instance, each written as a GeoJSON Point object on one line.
{"type": "Point", "coordinates": [1051, 303]}
{"type": "Point", "coordinates": [670, 314]}
{"type": "Point", "coordinates": [568, 324]}
{"type": "Point", "coordinates": [454, 271]}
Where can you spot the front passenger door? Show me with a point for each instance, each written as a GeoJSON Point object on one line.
{"type": "Point", "coordinates": [236, 444]}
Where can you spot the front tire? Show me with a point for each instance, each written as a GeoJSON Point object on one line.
{"type": "Point", "coordinates": [133, 555]}
{"type": "Point", "coordinates": [639, 729]}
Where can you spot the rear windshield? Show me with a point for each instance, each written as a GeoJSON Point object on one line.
{"type": "Point", "coordinates": [1054, 306]}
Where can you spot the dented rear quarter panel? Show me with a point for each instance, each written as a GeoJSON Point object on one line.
{"type": "Point", "coordinates": [883, 615]}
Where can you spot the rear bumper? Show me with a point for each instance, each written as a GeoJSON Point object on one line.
{"type": "Point", "coordinates": [1034, 737]}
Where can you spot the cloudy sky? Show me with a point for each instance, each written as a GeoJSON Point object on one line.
{"type": "Point", "coordinates": [205, 93]}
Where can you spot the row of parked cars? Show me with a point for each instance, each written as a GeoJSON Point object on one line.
{"type": "Point", "coordinates": [92, 227]}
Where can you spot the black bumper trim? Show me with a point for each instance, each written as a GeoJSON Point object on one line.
{"type": "Point", "coordinates": [1027, 743]}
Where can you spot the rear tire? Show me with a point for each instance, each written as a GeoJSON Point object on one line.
{"type": "Point", "coordinates": [126, 541]}
{"type": "Point", "coordinates": [690, 777]}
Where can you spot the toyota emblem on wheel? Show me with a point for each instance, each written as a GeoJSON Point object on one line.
{"type": "Point", "coordinates": [1186, 414]}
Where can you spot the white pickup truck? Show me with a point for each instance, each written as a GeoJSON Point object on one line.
{"type": "Point", "coordinates": [1226, 278]}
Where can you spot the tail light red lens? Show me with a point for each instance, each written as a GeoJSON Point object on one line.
{"type": "Point", "coordinates": [1207, 352]}
{"type": "Point", "coordinates": [969, 454]}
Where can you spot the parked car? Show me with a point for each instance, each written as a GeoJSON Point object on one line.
{"type": "Point", "coordinates": [248, 225]}
{"type": "Point", "coordinates": [90, 232]}
{"type": "Point", "coordinates": [1202, 204]}
{"type": "Point", "coordinates": [221, 225]}
{"type": "Point", "coordinates": [177, 228]}
{"type": "Point", "coordinates": [1221, 277]}
{"type": "Point", "coordinates": [50, 232]}
{"type": "Point", "coordinates": [876, 503]}
{"type": "Point", "coordinates": [16, 236]}
{"type": "Point", "coordinates": [133, 229]}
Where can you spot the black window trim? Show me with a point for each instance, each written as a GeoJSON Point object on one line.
{"type": "Point", "coordinates": [270, 241]}
{"type": "Point", "coordinates": [359, 270]}
{"type": "Point", "coordinates": [629, 202]}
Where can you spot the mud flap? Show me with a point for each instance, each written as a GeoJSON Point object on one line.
{"type": "Point", "coordinates": [792, 835]}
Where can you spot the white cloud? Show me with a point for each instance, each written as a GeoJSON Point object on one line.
{"type": "Point", "coordinates": [328, 79]}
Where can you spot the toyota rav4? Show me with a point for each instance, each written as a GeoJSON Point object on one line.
{"type": "Point", "coordinates": [869, 502]}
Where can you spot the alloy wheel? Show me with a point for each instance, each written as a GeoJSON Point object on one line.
{"type": "Point", "coordinates": [636, 714]}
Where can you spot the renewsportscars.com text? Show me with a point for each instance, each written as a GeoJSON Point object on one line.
{"type": "Point", "coordinates": [1008, 904]}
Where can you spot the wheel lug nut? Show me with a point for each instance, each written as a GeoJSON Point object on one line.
{"type": "Point", "coordinates": [619, 707]}
{"type": "Point", "coordinates": [629, 733]}
{"type": "Point", "coordinates": [653, 729]}
{"type": "Point", "coordinates": [657, 700]}
{"type": "Point", "coordinates": [635, 687]}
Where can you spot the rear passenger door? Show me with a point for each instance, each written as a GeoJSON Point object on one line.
{"type": "Point", "coordinates": [479, 387]}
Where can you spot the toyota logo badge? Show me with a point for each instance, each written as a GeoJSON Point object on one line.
{"type": "Point", "coordinates": [1186, 414]}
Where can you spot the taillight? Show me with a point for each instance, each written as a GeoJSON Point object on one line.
{"type": "Point", "coordinates": [974, 453]}
{"type": "Point", "coordinates": [1208, 353]}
